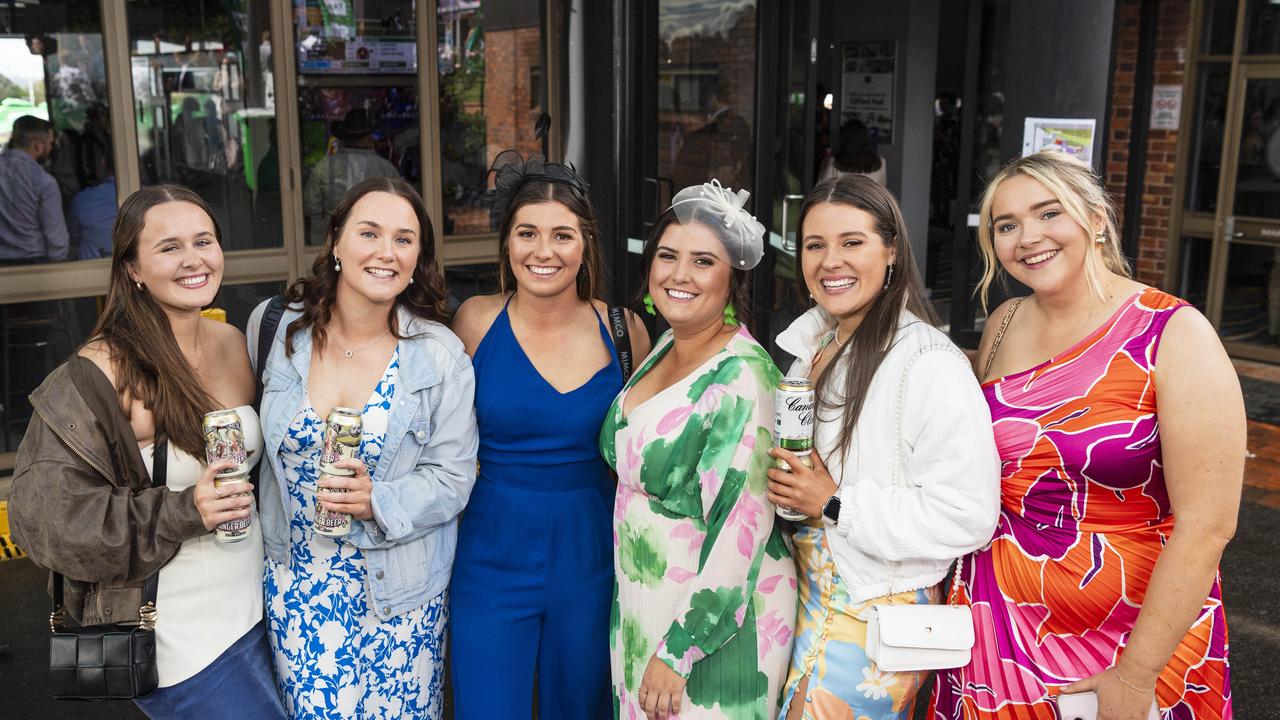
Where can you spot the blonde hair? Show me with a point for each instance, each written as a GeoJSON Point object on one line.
{"type": "Point", "coordinates": [1084, 199]}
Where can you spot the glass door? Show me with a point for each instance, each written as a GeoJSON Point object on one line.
{"type": "Point", "coordinates": [801, 131]}
{"type": "Point", "coordinates": [1245, 292]}
{"type": "Point", "coordinates": [692, 114]}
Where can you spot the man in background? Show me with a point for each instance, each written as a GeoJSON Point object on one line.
{"type": "Point", "coordinates": [32, 229]}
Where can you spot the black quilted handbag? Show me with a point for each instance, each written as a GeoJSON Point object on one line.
{"type": "Point", "coordinates": [107, 662]}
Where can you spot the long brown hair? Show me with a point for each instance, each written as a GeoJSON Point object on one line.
{"type": "Point", "coordinates": [424, 297]}
{"type": "Point", "coordinates": [148, 364]}
{"type": "Point", "coordinates": [862, 355]}
{"type": "Point", "coordinates": [739, 280]}
{"type": "Point", "coordinates": [591, 280]}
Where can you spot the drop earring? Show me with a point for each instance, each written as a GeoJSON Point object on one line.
{"type": "Point", "coordinates": [730, 315]}
{"type": "Point", "coordinates": [337, 264]}
{"type": "Point", "coordinates": [648, 304]}
{"type": "Point", "coordinates": [139, 284]}
{"type": "Point", "coordinates": [888, 278]}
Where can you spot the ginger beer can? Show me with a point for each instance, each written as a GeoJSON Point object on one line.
{"type": "Point", "coordinates": [341, 440]}
{"type": "Point", "coordinates": [234, 530]}
{"type": "Point", "coordinates": [793, 410]}
{"type": "Point", "coordinates": [326, 522]}
{"type": "Point", "coordinates": [224, 440]}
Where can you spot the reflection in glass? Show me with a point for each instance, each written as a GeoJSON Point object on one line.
{"type": "Point", "coordinates": [491, 98]}
{"type": "Point", "coordinates": [1258, 173]}
{"type": "Point", "coordinates": [1193, 284]}
{"type": "Point", "coordinates": [1218, 27]}
{"type": "Point", "coordinates": [706, 94]}
{"type": "Point", "coordinates": [358, 100]}
{"type": "Point", "coordinates": [34, 338]}
{"type": "Point", "coordinates": [205, 109]}
{"type": "Point", "coordinates": [1251, 299]}
{"type": "Point", "coordinates": [1207, 135]}
{"type": "Point", "coordinates": [56, 167]}
{"type": "Point", "coordinates": [1262, 27]}
{"type": "Point", "coordinates": [349, 134]}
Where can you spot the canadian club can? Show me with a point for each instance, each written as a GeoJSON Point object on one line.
{"type": "Point", "coordinates": [224, 440]}
{"type": "Point", "coordinates": [329, 523]}
{"type": "Point", "coordinates": [793, 409]}
{"type": "Point", "coordinates": [341, 440]}
{"type": "Point", "coordinates": [233, 530]}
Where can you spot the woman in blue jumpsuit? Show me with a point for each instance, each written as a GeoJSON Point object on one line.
{"type": "Point", "coordinates": [533, 578]}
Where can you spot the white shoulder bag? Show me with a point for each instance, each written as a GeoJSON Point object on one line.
{"type": "Point", "coordinates": [918, 637]}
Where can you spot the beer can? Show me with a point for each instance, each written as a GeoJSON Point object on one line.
{"type": "Point", "coordinates": [224, 440]}
{"type": "Point", "coordinates": [326, 522]}
{"type": "Point", "coordinates": [793, 410]}
{"type": "Point", "coordinates": [341, 440]}
{"type": "Point", "coordinates": [233, 530]}
{"type": "Point", "coordinates": [793, 403]}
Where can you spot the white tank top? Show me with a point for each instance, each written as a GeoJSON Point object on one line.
{"type": "Point", "coordinates": [210, 594]}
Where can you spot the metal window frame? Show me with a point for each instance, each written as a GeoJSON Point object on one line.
{"type": "Point", "coordinates": [1183, 223]}
{"type": "Point", "coordinates": [293, 259]}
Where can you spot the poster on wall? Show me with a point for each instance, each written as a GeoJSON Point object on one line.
{"type": "Point", "coordinates": [1166, 107]}
{"type": "Point", "coordinates": [868, 77]}
{"type": "Point", "coordinates": [1073, 136]}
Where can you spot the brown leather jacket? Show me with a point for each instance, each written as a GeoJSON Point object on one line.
{"type": "Point", "coordinates": [82, 502]}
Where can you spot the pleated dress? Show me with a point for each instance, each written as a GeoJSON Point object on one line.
{"type": "Point", "coordinates": [1084, 516]}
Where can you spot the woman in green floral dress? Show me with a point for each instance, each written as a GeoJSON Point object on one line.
{"type": "Point", "coordinates": [705, 601]}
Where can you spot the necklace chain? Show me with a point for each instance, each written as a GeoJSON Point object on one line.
{"type": "Point", "coordinates": [367, 345]}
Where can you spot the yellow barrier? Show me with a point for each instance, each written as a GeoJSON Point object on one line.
{"type": "Point", "coordinates": [8, 551]}
{"type": "Point", "coordinates": [214, 314]}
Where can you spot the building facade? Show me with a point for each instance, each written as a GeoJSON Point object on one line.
{"type": "Point", "coordinates": [249, 102]}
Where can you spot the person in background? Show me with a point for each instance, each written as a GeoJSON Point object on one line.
{"type": "Point", "coordinates": [534, 574]}
{"type": "Point", "coordinates": [83, 504]}
{"type": "Point", "coordinates": [334, 174]}
{"type": "Point", "coordinates": [358, 622]}
{"type": "Point", "coordinates": [32, 228]}
{"type": "Point", "coordinates": [93, 209]}
{"type": "Point", "coordinates": [904, 477]}
{"type": "Point", "coordinates": [855, 156]}
{"type": "Point", "coordinates": [1102, 391]}
{"type": "Point", "coordinates": [705, 591]}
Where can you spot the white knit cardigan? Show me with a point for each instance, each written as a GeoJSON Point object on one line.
{"type": "Point", "coordinates": [903, 534]}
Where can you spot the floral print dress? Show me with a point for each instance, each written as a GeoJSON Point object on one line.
{"type": "Point", "coordinates": [334, 658]}
{"type": "Point", "coordinates": [704, 578]}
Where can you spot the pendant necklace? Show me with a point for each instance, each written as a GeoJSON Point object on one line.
{"type": "Point", "coordinates": [350, 353]}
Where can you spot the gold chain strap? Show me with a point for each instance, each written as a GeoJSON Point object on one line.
{"type": "Point", "coordinates": [995, 344]}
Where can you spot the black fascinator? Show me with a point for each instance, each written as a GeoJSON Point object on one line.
{"type": "Point", "coordinates": [511, 171]}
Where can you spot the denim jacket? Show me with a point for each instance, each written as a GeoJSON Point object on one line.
{"type": "Point", "coordinates": [426, 471]}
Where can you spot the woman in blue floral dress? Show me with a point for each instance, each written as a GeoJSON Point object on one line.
{"type": "Point", "coordinates": [357, 623]}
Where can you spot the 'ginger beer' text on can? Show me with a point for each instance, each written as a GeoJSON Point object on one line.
{"type": "Point", "coordinates": [224, 440]}
{"type": "Point", "coordinates": [793, 425]}
{"type": "Point", "coordinates": [341, 440]}
{"type": "Point", "coordinates": [233, 530]}
{"type": "Point", "coordinates": [329, 523]}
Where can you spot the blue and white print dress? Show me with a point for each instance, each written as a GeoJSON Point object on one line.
{"type": "Point", "coordinates": [334, 659]}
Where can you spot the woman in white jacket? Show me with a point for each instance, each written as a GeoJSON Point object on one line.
{"type": "Point", "coordinates": [905, 477]}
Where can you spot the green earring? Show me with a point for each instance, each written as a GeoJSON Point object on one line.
{"type": "Point", "coordinates": [730, 315]}
{"type": "Point", "coordinates": [648, 304]}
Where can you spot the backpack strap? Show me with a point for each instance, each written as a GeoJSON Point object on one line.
{"type": "Point", "coordinates": [621, 339]}
{"type": "Point", "coordinates": [266, 334]}
{"type": "Point", "coordinates": [267, 327]}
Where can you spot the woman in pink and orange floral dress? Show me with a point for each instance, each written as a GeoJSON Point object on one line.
{"type": "Point", "coordinates": [1102, 393]}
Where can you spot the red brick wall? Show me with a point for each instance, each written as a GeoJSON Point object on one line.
{"type": "Point", "coordinates": [1156, 184]}
{"type": "Point", "coordinates": [509, 120]}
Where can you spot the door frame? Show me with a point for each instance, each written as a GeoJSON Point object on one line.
{"type": "Point", "coordinates": [1224, 235]}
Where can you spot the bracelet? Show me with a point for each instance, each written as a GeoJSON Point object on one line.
{"type": "Point", "coordinates": [1130, 685]}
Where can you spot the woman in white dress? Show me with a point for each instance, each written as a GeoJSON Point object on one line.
{"type": "Point", "coordinates": [82, 502]}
